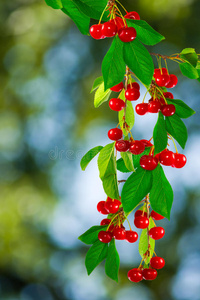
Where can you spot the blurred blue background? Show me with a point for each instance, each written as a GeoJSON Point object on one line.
{"type": "Point", "coordinates": [47, 122]}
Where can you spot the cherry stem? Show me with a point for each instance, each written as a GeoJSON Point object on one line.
{"type": "Point", "coordinates": [103, 14]}
{"type": "Point", "coordinates": [126, 85]}
{"type": "Point", "coordinates": [121, 6]}
{"type": "Point", "coordinates": [173, 142]}
{"type": "Point", "coordinates": [148, 216]}
{"type": "Point", "coordinates": [121, 181]}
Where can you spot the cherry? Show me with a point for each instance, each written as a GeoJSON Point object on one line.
{"type": "Point", "coordinates": [148, 162]}
{"type": "Point", "coordinates": [162, 80]}
{"type": "Point", "coordinates": [141, 222]}
{"type": "Point", "coordinates": [157, 262]}
{"type": "Point", "coordinates": [141, 109]}
{"type": "Point", "coordinates": [127, 34]}
{"type": "Point", "coordinates": [157, 233]}
{"type": "Point", "coordinates": [167, 158]}
{"type": "Point", "coordinates": [149, 274]}
{"type": "Point", "coordinates": [96, 32]}
{"type": "Point", "coordinates": [109, 29]}
{"type": "Point", "coordinates": [156, 216]}
{"type": "Point", "coordinates": [137, 147]}
{"type": "Point", "coordinates": [105, 222]}
{"type": "Point", "coordinates": [140, 213]}
{"type": "Point", "coordinates": [147, 143]}
{"type": "Point", "coordinates": [168, 95]}
{"type": "Point", "coordinates": [122, 146]}
{"type": "Point", "coordinates": [158, 72]}
{"type": "Point", "coordinates": [118, 22]}
{"type": "Point", "coordinates": [168, 110]}
{"type": "Point", "coordinates": [116, 104]}
{"type": "Point", "coordinates": [172, 82]}
{"type": "Point", "coordinates": [180, 160]}
{"type": "Point", "coordinates": [112, 206]}
{"type": "Point", "coordinates": [119, 233]}
{"type": "Point", "coordinates": [133, 85]}
{"type": "Point", "coordinates": [105, 236]}
{"type": "Point", "coordinates": [154, 106]}
{"type": "Point", "coordinates": [118, 88]}
{"type": "Point", "coordinates": [135, 275]}
{"type": "Point", "coordinates": [115, 134]}
{"type": "Point", "coordinates": [131, 236]}
{"type": "Point", "coordinates": [101, 208]}
{"type": "Point", "coordinates": [132, 94]}
{"type": "Point", "coordinates": [132, 15]}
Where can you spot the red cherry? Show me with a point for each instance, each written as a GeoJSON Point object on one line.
{"type": "Point", "coordinates": [105, 222]}
{"type": "Point", "coordinates": [105, 236]}
{"type": "Point", "coordinates": [122, 146]}
{"type": "Point", "coordinates": [157, 233]}
{"type": "Point", "coordinates": [147, 143]}
{"type": "Point", "coordinates": [158, 72]}
{"type": "Point", "coordinates": [172, 82]}
{"type": "Point", "coordinates": [132, 15]}
{"type": "Point", "coordinates": [168, 110]}
{"type": "Point", "coordinates": [133, 85]}
{"type": "Point", "coordinates": [137, 147]}
{"type": "Point", "coordinates": [141, 109]}
{"type": "Point", "coordinates": [162, 80]}
{"type": "Point", "coordinates": [115, 134]}
{"type": "Point", "coordinates": [96, 32]}
{"type": "Point", "coordinates": [109, 29]}
{"type": "Point", "coordinates": [116, 104]}
{"type": "Point", "coordinates": [119, 233]}
{"type": "Point", "coordinates": [148, 162]}
{"type": "Point", "coordinates": [157, 262]}
{"type": "Point", "coordinates": [141, 222]}
{"type": "Point", "coordinates": [168, 95]}
{"type": "Point", "coordinates": [118, 22]}
{"type": "Point", "coordinates": [118, 88]}
{"type": "Point", "coordinates": [140, 213]}
{"type": "Point", "coordinates": [127, 34]}
{"type": "Point", "coordinates": [167, 158]}
{"type": "Point", "coordinates": [156, 216]}
{"type": "Point", "coordinates": [180, 160]}
{"type": "Point", "coordinates": [101, 208]}
{"type": "Point", "coordinates": [112, 206]}
{"type": "Point", "coordinates": [131, 236]}
{"type": "Point", "coordinates": [149, 274]}
{"type": "Point", "coordinates": [135, 275]}
{"type": "Point", "coordinates": [154, 106]}
{"type": "Point", "coordinates": [132, 94]}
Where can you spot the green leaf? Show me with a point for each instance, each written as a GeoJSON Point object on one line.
{"type": "Point", "coordinates": [113, 66]}
{"type": "Point", "coordinates": [190, 56]}
{"type": "Point", "coordinates": [182, 109]}
{"type": "Point", "coordinates": [121, 166]}
{"type": "Point", "coordinates": [112, 262]}
{"type": "Point", "coordinates": [101, 96]}
{"type": "Point", "coordinates": [128, 161]}
{"type": "Point", "coordinates": [161, 194]}
{"type": "Point", "coordinates": [110, 186]}
{"type": "Point", "coordinates": [177, 129]}
{"type": "Point", "coordinates": [91, 8]}
{"type": "Point", "coordinates": [160, 135]}
{"type": "Point", "coordinates": [91, 235]}
{"type": "Point", "coordinates": [56, 4]}
{"type": "Point", "coordinates": [86, 159]}
{"type": "Point", "coordinates": [143, 243]}
{"type": "Point", "coordinates": [145, 33]}
{"type": "Point", "coordinates": [139, 61]}
{"type": "Point", "coordinates": [95, 255]}
{"type": "Point", "coordinates": [137, 186]}
{"type": "Point", "coordinates": [98, 81]}
{"type": "Point", "coordinates": [189, 71]}
{"type": "Point", "coordinates": [130, 116]}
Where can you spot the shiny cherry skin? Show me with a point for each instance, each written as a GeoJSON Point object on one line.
{"type": "Point", "coordinates": [135, 275]}
{"type": "Point", "coordinates": [167, 158]}
{"type": "Point", "coordinates": [112, 206]}
{"type": "Point", "coordinates": [105, 222]}
{"type": "Point", "coordinates": [133, 85]}
{"type": "Point", "coordinates": [154, 106]}
{"type": "Point", "coordinates": [116, 104]}
{"type": "Point", "coordinates": [131, 236]}
{"type": "Point", "coordinates": [156, 216]}
{"type": "Point", "coordinates": [157, 233]}
{"type": "Point", "coordinates": [122, 146]}
{"type": "Point", "coordinates": [168, 95]}
{"type": "Point", "coordinates": [133, 15]}
{"type": "Point", "coordinates": [119, 233]}
{"type": "Point", "coordinates": [149, 274]}
{"type": "Point", "coordinates": [162, 80]}
{"type": "Point", "coordinates": [105, 236]}
{"type": "Point", "coordinates": [180, 161]}
{"type": "Point", "coordinates": [118, 88]}
{"type": "Point", "coordinates": [118, 22]}
{"type": "Point", "coordinates": [109, 29]}
{"type": "Point", "coordinates": [157, 262]}
{"type": "Point", "coordinates": [172, 82]}
{"type": "Point", "coordinates": [140, 213]}
{"type": "Point", "coordinates": [141, 222]}
{"type": "Point", "coordinates": [168, 110]}
{"type": "Point", "coordinates": [132, 94]}
{"type": "Point", "coordinates": [148, 162]}
{"type": "Point", "coordinates": [142, 109]}
{"type": "Point", "coordinates": [137, 147]}
{"type": "Point", "coordinates": [101, 208]}
{"type": "Point", "coordinates": [127, 34]}
{"type": "Point", "coordinates": [158, 72]}
{"type": "Point", "coordinates": [96, 32]}
{"type": "Point", "coordinates": [147, 143]}
{"type": "Point", "coordinates": [115, 134]}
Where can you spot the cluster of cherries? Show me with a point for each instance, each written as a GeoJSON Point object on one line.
{"type": "Point", "coordinates": [116, 26]}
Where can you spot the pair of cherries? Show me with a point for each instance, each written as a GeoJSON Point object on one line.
{"type": "Point", "coordinates": [169, 158]}
{"type": "Point", "coordinates": [164, 79]}
{"type": "Point", "coordinates": [135, 147]}
{"type": "Point", "coordinates": [118, 233]}
{"type": "Point", "coordinates": [154, 106]}
{"type": "Point", "coordinates": [110, 206]}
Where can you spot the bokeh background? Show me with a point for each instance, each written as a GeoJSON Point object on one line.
{"type": "Point", "coordinates": [47, 122]}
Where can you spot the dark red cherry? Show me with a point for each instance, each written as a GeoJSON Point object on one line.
{"type": "Point", "coordinates": [119, 233]}
{"type": "Point", "coordinates": [118, 22]}
{"type": "Point", "coordinates": [154, 106]}
{"type": "Point", "coordinates": [109, 29]}
{"type": "Point", "coordinates": [157, 233]}
{"type": "Point", "coordinates": [168, 95]}
{"type": "Point", "coordinates": [101, 208]}
{"type": "Point", "coordinates": [122, 146]}
{"type": "Point", "coordinates": [162, 80]}
{"type": "Point", "coordinates": [157, 262]}
{"type": "Point", "coordinates": [112, 206]}
{"type": "Point", "coordinates": [180, 160]}
{"type": "Point", "coordinates": [167, 158]}
{"type": "Point", "coordinates": [118, 88]}
{"type": "Point", "coordinates": [115, 134]}
{"type": "Point", "coordinates": [137, 147]}
{"type": "Point", "coordinates": [135, 275]}
{"type": "Point", "coordinates": [131, 236]}
{"type": "Point", "coordinates": [105, 236]}
{"type": "Point", "coordinates": [116, 104]}
{"type": "Point", "coordinates": [172, 82]}
{"type": "Point", "coordinates": [141, 109]}
{"type": "Point", "coordinates": [148, 162]}
{"type": "Point", "coordinates": [149, 274]}
{"type": "Point", "coordinates": [132, 94]}
{"type": "Point", "coordinates": [158, 72]}
{"type": "Point", "coordinates": [141, 222]}
{"type": "Point", "coordinates": [105, 222]}
{"type": "Point", "coordinates": [132, 15]}
{"type": "Point", "coordinates": [156, 216]}
{"type": "Point", "coordinates": [127, 34]}
{"type": "Point", "coordinates": [168, 110]}
{"type": "Point", "coordinates": [96, 32]}
{"type": "Point", "coordinates": [140, 213]}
